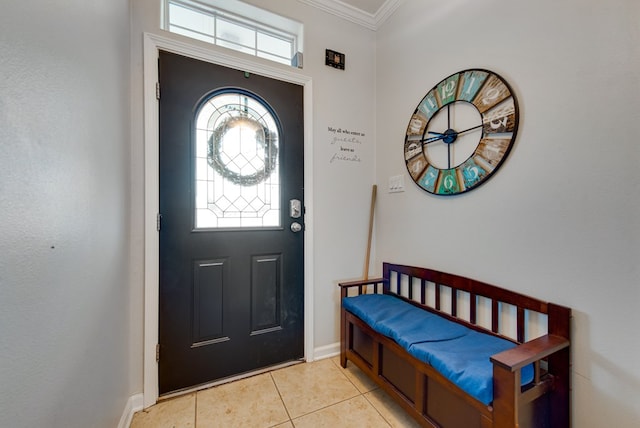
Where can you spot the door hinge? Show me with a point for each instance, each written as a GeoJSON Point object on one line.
{"type": "Point", "coordinates": [157, 90]}
{"type": "Point", "coordinates": [157, 352]}
{"type": "Point", "coordinates": [158, 222]}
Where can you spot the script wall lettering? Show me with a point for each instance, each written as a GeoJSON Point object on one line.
{"type": "Point", "coordinates": [346, 144]}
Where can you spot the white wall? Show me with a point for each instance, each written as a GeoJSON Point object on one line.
{"type": "Point", "coordinates": [64, 164]}
{"type": "Point", "coordinates": [339, 194]}
{"type": "Point", "coordinates": [561, 219]}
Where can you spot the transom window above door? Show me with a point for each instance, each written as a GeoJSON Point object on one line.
{"type": "Point", "coordinates": [237, 25]}
{"type": "Point", "coordinates": [237, 178]}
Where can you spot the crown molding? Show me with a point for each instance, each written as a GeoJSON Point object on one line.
{"type": "Point", "coordinates": [355, 15]}
{"type": "Point", "coordinates": [385, 11]}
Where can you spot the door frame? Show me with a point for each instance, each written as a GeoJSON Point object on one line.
{"type": "Point", "coordinates": [152, 44]}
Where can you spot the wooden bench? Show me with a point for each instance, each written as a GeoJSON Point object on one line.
{"type": "Point", "coordinates": [431, 398]}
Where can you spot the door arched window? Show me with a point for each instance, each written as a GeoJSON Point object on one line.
{"type": "Point", "coordinates": [237, 166]}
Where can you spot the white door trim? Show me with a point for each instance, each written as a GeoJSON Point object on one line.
{"type": "Point", "coordinates": [152, 44]}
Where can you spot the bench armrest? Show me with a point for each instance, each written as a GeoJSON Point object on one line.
{"type": "Point", "coordinates": [360, 282]}
{"type": "Point", "coordinates": [529, 352]}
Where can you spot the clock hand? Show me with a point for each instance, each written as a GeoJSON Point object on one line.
{"type": "Point", "coordinates": [440, 136]}
{"type": "Point", "coordinates": [433, 139]}
{"type": "Point", "coordinates": [437, 133]}
{"type": "Point", "coordinates": [470, 129]}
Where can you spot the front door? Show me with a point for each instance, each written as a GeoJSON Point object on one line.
{"type": "Point", "coordinates": [231, 222]}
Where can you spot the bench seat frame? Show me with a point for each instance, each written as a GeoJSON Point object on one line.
{"type": "Point", "coordinates": [429, 397]}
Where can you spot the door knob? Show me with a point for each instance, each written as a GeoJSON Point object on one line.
{"type": "Point", "coordinates": [296, 227]}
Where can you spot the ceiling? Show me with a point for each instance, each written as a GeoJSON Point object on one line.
{"type": "Point", "coordinates": [369, 6]}
{"type": "Point", "coordinates": [368, 13]}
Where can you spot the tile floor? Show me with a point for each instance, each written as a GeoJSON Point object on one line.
{"type": "Point", "coordinates": [317, 394]}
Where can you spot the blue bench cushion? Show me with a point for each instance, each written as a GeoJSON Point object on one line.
{"type": "Point", "coordinates": [465, 362]}
{"type": "Point", "coordinates": [459, 353]}
{"type": "Point", "coordinates": [401, 321]}
{"type": "Point", "coordinates": [371, 308]}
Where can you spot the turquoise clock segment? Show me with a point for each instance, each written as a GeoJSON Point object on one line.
{"type": "Point", "coordinates": [461, 132]}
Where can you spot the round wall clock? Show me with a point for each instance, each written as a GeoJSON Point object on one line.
{"type": "Point", "coordinates": [461, 132]}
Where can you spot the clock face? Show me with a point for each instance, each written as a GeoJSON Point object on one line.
{"type": "Point", "coordinates": [461, 132]}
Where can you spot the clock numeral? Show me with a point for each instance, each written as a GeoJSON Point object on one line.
{"type": "Point", "coordinates": [472, 173]}
{"type": "Point", "coordinates": [447, 89]}
{"type": "Point", "coordinates": [492, 150]}
{"type": "Point", "coordinates": [416, 125]}
{"type": "Point", "coordinates": [448, 182]}
{"type": "Point", "coordinates": [428, 180]}
{"type": "Point", "coordinates": [501, 118]}
{"type": "Point", "coordinates": [471, 82]}
{"type": "Point", "coordinates": [492, 93]}
{"type": "Point", "coordinates": [429, 105]}
{"type": "Point", "coordinates": [416, 167]}
{"type": "Point", "coordinates": [499, 123]}
{"type": "Point", "coordinates": [412, 149]}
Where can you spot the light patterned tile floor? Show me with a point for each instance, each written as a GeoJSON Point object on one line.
{"type": "Point", "coordinates": [317, 394]}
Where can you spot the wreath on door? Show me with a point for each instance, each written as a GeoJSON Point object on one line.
{"type": "Point", "coordinates": [265, 140]}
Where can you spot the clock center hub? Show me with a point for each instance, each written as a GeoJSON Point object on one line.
{"type": "Point", "coordinates": [449, 136]}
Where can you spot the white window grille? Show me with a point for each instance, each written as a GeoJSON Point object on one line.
{"type": "Point", "coordinates": [238, 26]}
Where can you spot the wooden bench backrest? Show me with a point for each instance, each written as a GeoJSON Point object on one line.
{"type": "Point", "coordinates": [479, 305]}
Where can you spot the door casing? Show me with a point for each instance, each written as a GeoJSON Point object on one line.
{"type": "Point", "coordinates": [152, 44]}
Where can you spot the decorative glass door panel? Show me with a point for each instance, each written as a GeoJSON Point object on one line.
{"type": "Point", "coordinates": [237, 163]}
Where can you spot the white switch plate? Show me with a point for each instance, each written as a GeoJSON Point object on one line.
{"type": "Point", "coordinates": [396, 184]}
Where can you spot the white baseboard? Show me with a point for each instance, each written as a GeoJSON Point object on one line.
{"type": "Point", "coordinates": [326, 351]}
{"type": "Point", "coordinates": [134, 404]}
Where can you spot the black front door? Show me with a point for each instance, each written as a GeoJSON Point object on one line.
{"type": "Point", "coordinates": [231, 254]}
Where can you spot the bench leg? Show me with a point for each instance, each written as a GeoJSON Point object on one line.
{"type": "Point", "coordinates": [343, 339]}
{"type": "Point", "coordinates": [560, 400]}
{"type": "Point", "coordinates": [505, 397]}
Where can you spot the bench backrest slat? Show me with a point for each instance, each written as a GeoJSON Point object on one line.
{"type": "Point", "coordinates": [495, 311]}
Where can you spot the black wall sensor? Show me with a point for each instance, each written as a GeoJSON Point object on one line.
{"type": "Point", "coordinates": [334, 59]}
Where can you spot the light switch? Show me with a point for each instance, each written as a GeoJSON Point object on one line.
{"type": "Point", "coordinates": [396, 184]}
